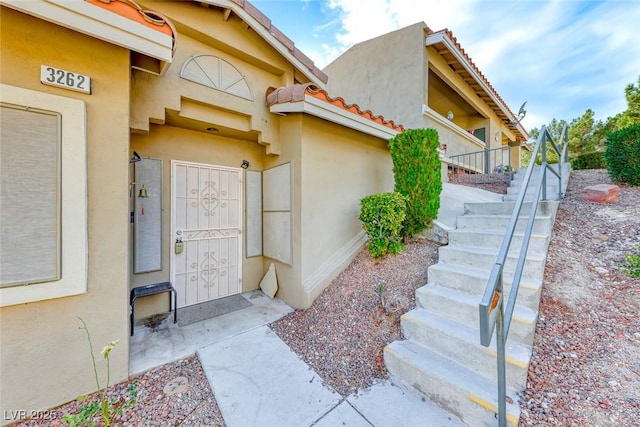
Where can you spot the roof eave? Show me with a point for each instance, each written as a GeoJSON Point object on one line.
{"type": "Point", "coordinates": [97, 22]}
{"type": "Point", "coordinates": [321, 109]}
{"type": "Point", "coordinates": [441, 37]}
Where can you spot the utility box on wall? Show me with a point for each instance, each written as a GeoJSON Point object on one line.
{"type": "Point", "coordinates": [147, 216]}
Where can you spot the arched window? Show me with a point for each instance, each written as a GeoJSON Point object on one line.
{"type": "Point", "coordinates": [216, 73]}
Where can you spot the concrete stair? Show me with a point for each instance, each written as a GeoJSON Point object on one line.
{"type": "Point", "coordinates": [441, 354]}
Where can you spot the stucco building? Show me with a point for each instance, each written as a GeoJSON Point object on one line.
{"type": "Point", "coordinates": [425, 79]}
{"type": "Point", "coordinates": [194, 144]}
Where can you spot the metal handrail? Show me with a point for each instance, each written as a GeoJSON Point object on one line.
{"type": "Point", "coordinates": [493, 312]}
{"type": "Point", "coordinates": [469, 161]}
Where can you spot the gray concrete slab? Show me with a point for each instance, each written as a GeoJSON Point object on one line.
{"type": "Point", "coordinates": [170, 342]}
{"type": "Point", "coordinates": [343, 415]}
{"type": "Point", "coordinates": [393, 403]}
{"type": "Point", "coordinates": [258, 381]}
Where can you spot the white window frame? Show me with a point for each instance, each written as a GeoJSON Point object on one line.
{"type": "Point", "coordinates": [73, 189]}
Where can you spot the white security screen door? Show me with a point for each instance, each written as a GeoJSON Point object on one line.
{"type": "Point", "coordinates": [206, 219]}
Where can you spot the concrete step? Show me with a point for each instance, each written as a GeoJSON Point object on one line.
{"type": "Point", "coordinates": [463, 308]}
{"type": "Point", "coordinates": [456, 388]}
{"type": "Point", "coordinates": [448, 337]}
{"type": "Point", "coordinates": [474, 281]}
{"type": "Point", "coordinates": [529, 197]}
{"type": "Point", "coordinates": [551, 189]}
{"type": "Point", "coordinates": [543, 224]}
{"type": "Point", "coordinates": [471, 256]}
{"type": "Point", "coordinates": [493, 239]}
{"type": "Point", "coordinates": [545, 208]}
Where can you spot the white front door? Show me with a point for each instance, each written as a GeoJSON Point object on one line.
{"type": "Point", "coordinates": [206, 218]}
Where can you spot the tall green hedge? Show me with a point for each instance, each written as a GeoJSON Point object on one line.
{"type": "Point", "coordinates": [417, 169]}
{"type": "Point", "coordinates": [382, 216]}
{"type": "Point", "coordinates": [593, 160]}
{"type": "Point", "coordinates": [623, 155]}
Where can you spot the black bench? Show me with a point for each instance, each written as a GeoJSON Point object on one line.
{"type": "Point", "coordinates": [156, 288]}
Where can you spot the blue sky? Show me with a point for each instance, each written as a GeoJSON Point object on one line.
{"type": "Point", "coordinates": [561, 56]}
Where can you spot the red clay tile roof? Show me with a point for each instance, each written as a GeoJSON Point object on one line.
{"type": "Point", "coordinates": [297, 92]}
{"type": "Point", "coordinates": [454, 41]}
{"type": "Point", "coordinates": [131, 10]}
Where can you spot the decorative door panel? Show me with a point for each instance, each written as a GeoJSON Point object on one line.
{"type": "Point", "coordinates": [206, 220]}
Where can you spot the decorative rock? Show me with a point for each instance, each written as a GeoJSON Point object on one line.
{"type": "Point", "coordinates": [601, 193]}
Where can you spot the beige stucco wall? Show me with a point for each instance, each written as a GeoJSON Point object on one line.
{"type": "Point", "coordinates": [332, 168]}
{"type": "Point", "coordinates": [390, 75]}
{"type": "Point", "coordinates": [44, 357]}
{"type": "Point", "coordinates": [290, 275]}
{"type": "Point", "coordinates": [204, 31]}
{"type": "Point", "coordinates": [386, 74]}
{"type": "Point", "coordinates": [339, 167]}
{"type": "Point", "coordinates": [173, 143]}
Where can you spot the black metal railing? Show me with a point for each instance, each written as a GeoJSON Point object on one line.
{"type": "Point", "coordinates": [496, 160]}
{"type": "Point", "coordinates": [494, 314]}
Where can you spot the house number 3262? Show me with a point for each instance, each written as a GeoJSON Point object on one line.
{"type": "Point", "coordinates": [65, 79]}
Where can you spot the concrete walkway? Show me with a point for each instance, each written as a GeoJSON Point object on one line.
{"type": "Point", "coordinates": [258, 380]}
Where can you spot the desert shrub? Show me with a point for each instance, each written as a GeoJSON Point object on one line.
{"type": "Point", "coordinates": [631, 266]}
{"type": "Point", "coordinates": [593, 160]}
{"type": "Point", "coordinates": [417, 169]}
{"type": "Point", "coordinates": [382, 216]}
{"type": "Point", "coordinates": [622, 155]}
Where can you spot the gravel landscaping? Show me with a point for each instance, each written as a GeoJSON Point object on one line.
{"type": "Point", "coordinates": [586, 364]}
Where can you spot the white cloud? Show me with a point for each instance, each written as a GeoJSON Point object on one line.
{"type": "Point", "coordinates": [561, 56]}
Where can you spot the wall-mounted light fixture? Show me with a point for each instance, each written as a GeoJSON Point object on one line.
{"type": "Point", "coordinates": [136, 158]}
{"type": "Point", "coordinates": [450, 115]}
{"type": "Point", "coordinates": [497, 136]}
{"type": "Point", "coordinates": [245, 164]}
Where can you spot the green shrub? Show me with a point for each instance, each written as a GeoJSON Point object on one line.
{"type": "Point", "coordinates": [622, 155]}
{"type": "Point", "coordinates": [593, 160]}
{"type": "Point", "coordinates": [417, 169]}
{"type": "Point", "coordinates": [382, 216]}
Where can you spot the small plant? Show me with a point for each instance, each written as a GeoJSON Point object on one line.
{"type": "Point", "coordinates": [631, 267]}
{"type": "Point", "coordinates": [382, 216]}
{"type": "Point", "coordinates": [388, 306]}
{"type": "Point", "coordinates": [104, 408]}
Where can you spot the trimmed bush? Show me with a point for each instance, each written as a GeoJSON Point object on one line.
{"type": "Point", "coordinates": [622, 155]}
{"type": "Point", "coordinates": [382, 216]}
{"type": "Point", "coordinates": [416, 169]}
{"type": "Point", "coordinates": [593, 160]}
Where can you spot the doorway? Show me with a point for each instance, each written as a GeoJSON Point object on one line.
{"type": "Point", "coordinates": [206, 212]}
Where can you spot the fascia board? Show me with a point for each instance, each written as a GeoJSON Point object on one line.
{"type": "Point", "coordinates": [94, 21]}
{"type": "Point", "coordinates": [323, 110]}
{"type": "Point", "coordinates": [267, 36]}
{"type": "Point", "coordinates": [440, 38]}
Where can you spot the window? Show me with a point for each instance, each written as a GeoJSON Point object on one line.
{"type": "Point", "coordinates": [43, 226]}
